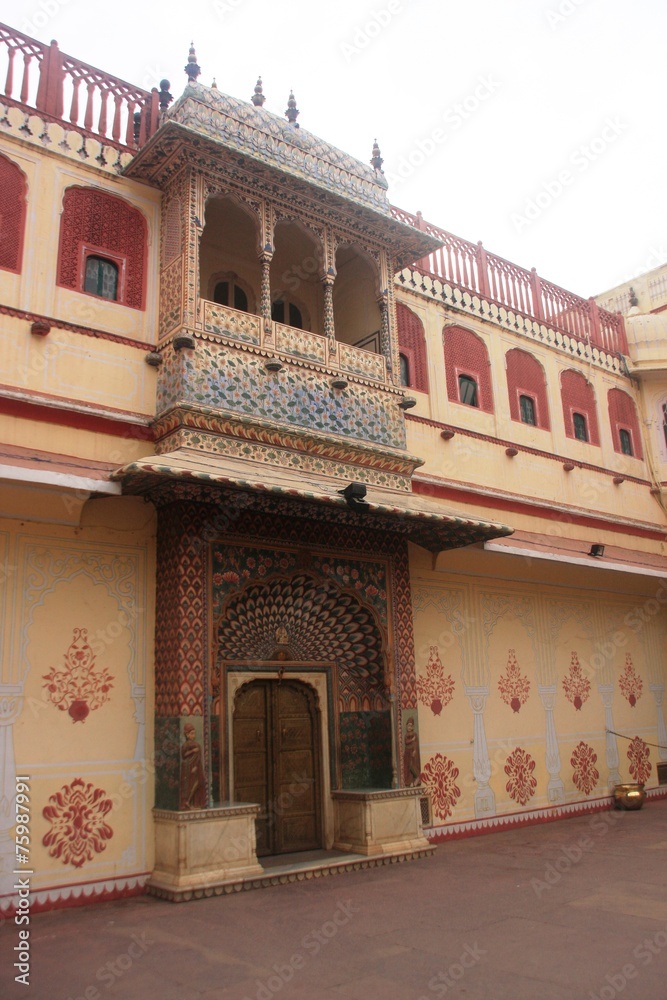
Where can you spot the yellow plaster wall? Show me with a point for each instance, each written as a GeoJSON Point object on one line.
{"type": "Point", "coordinates": [474, 611]}
{"type": "Point", "coordinates": [99, 577]}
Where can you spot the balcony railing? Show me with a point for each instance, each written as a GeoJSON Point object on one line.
{"type": "Point", "coordinates": [310, 347]}
{"type": "Point", "coordinates": [66, 89]}
{"type": "Point", "coordinates": [473, 269]}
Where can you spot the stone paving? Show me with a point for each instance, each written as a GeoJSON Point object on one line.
{"type": "Point", "coordinates": [571, 910]}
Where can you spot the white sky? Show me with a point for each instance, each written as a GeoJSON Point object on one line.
{"type": "Point", "coordinates": [546, 87]}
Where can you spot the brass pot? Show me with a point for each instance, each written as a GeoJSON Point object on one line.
{"type": "Point", "coordinates": [629, 796]}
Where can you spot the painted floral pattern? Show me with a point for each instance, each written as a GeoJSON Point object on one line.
{"type": "Point", "coordinates": [639, 757]}
{"type": "Point", "coordinates": [577, 687]}
{"type": "Point", "coordinates": [519, 770]}
{"type": "Point", "coordinates": [585, 775]}
{"type": "Point", "coordinates": [630, 682]}
{"type": "Point", "coordinates": [514, 687]}
{"type": "Point", "coordinates": [439, 777]}
{"type": "Point", "coordinates": [77, 814]}
{"type": "Point", "coordinates": [435, 689]}
{"type": "Point", "coordinates": [77, 688]}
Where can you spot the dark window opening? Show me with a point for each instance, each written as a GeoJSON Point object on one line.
{"type": "Point", "coordinates": [101, 278]}
{"type": "Point", "coordinates": [527, 406]}
{"type": "Point", "coordinates": [626, 442]}
{"type": "Point", "coordinates": [468, 390]}
{"type": "Point", "coordinates": [580, 427]}
{"type": "Point", "coordinates": [281, 309]}
{"type": "Point", "coordinates": [221, 295]}
{"type": "Point", "coordinates": [404, 368]}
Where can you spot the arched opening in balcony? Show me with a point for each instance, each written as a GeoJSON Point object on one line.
{"type": "Point", "coordinates": [357, 317]}
{"type": "Point", "coordinates": [229, 268]}
{"type": "Point", "coordinates": [297, 297]}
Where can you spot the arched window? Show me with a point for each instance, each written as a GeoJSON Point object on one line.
{"type": "Point", "coordinates": [412, 347]}
{"type": "Point", "coordinates": [404, 369]}
{"type": "Point", "coordinates": [101, 277]}
{"type": "Point", "coordinates": [468, 393]}
{"type": "Point", "coordinates": [527, 389]}
{"type": "Point", "coordinates": [579, 409]}
{"type": "Point", "coordinates": [285, 311]}
{"type": "Point", "coordinates": [104, 230]}
{"type": "Point", "coordinates": [13, 189]}
{"type": "Point", "coordinates": [467, 368]}
{"type": "Point", "coordinates": [624, 423]}
{"type": "Point", "coordinates": [228, 292]}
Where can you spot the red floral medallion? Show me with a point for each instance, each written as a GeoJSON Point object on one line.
{"type": "Point", "coordinates": [78, 827]}
{"type": "Point", "coordinates": [639, 757]}
{"type": "Point", "coordinates": [78, 688]}
{"type": "Point", "coordinates": [577, 687]}
{"type": "Point", "coordinates": [519, 769]}
{"type": "Point", "coordinates": [630, 682]}
{"type": "Point", "coordinates": [585, 775]}
{"type": "Point", "coordinates": [436, 689]}
{"type": "Point", "coordinates": [513, 686]}
{"type": "Point", "coordinates": [439, 777]}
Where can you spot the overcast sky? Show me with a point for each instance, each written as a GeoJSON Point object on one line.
{"type": "Point", "coordinates": [536, 126]}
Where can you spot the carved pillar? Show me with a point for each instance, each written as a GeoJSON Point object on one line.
{"type": "Point", "coordinates": [385, 339]}
{"type": "Point", "coordinates": [659, 695]}
{"type": "Point", "coordinates": [265, 257]}
{"type": "Point", "coordinates": [555, 787]}
{"type": "Point", "coordinates": [329, 328]}
{"type": "Point", "coordinates": [607, 693]}
{"type": "Point", "coordinates": [10, 709]}
{"type": "Point", "coordinates": [485, 800]}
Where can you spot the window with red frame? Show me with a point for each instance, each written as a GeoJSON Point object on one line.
{"type": "Point", "coordinates": [527, 389]}
{"type": "Point", "coordinates": [624, 423]}
{"type": "Point", "coordinates": [103, 247]}
{"type": "Point", "coordinates": [412, 346]}
{"type": "Point", "coordinates": [467, 368]}
{"type": "Point", "coordinates": [579, 409]}
{"type": "Point", "coordinates": [13, 189]}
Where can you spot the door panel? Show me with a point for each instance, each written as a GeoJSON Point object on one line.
{"type": "Point", "coordinates": [277, 763]}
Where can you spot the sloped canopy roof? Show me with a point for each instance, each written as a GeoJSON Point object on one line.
{"type": "Point", "coordinates": [425, 522]}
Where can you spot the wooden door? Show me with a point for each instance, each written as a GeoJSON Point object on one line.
{"type": "Point", "coordinates": [277, 763]}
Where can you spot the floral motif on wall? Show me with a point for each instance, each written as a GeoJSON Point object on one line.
{"type": "Point", "coordinates": [640, 764]}
{"type": "Point", "coordinates": [585, 775]}
{"type": "Point", "coordinates": [519, 769]}
{"type": "Point", "coordinates": [514, 687]}
{"type": "Point", "coordinates": [630, 682]}
{"type": "Point", "coordinates": [77, 688]}
{"type": "Point", "coordinates": [435, 689]}
{"type": "Point", "coordinates": [439, 777]}
{"type": "Point", "coordinates": [78, 826]}
{"type": "Point", "coordinates": [577, 687]}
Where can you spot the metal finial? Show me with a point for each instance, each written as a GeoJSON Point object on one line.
{"type": "Point", "coordinates": [165, 97]}
{"type": "Point", "coordinates": [258, 97]}
{"type": "Point", "coordinates": [292, 113]}
{"type": "Point", "coordinates": [634, 301]}
{"type": "Point", "coordinates": [376, 159]}
{"type": "Point", "coordinates": [192, 69]}
{"type": "Point", "coordinates": [214, 85]}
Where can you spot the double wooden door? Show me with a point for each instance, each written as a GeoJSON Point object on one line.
{"type": "Point", "coordinates": [277, 763]}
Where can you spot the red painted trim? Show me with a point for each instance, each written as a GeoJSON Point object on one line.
{"type": "Point", "coordinates": [522, 447]}
{"type": "Point", "coordinates": [517, 506]}
{"type": "Point", "coordinates": [94, 895]}
{"type": "Point", "coordinates": [85, 331]}
{"type": "Point", "coordinates": [26, 410]}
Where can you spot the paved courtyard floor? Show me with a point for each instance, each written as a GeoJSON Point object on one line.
{"type": "Point", "coordinates": [563, 911]}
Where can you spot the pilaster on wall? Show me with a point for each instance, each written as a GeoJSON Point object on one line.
{"type": "Point", "coordinates": [485, 800]}
{"type": "Point", "coordinates": [607, 694]}
{"type": "Point", "coordinates": [555, 786]}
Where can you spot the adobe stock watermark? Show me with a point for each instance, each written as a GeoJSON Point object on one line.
{"type": "Point", "coordinates": [579, 161]}
{"type": "Point", "coordinates": [312, 943]}
{"type": "Point", "coordinates": [44, 12]}
{"type": "Point", "coordinates": [571, 855]}
{"type": "Point", "coordinates": [365, 33]}
{"type": "Point", "coordinates": [453, 119]}
{"type": "Point", "coordinates": [561, 12]}
{"type": "Point", "coordinates": [111, 971]}
{"type": "Point", "coordinates": [440, 984]}
{"type": "Point", "coordinates": [644, 953]}
{"type": "Point", "coordinates": [224, 7]}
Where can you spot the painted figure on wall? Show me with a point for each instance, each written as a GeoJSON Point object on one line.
{"type": "Point", "coordinates": [411, 766]}
{"type": "Point", "coordinates": [193, 785]}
